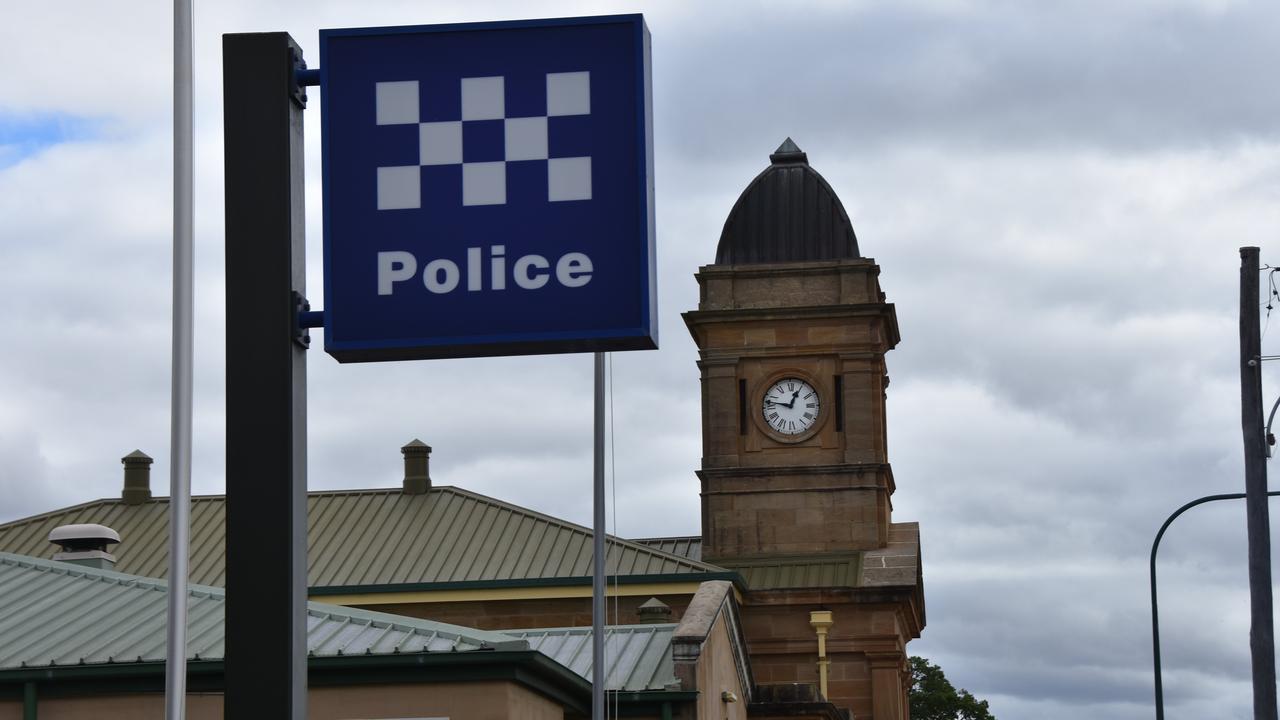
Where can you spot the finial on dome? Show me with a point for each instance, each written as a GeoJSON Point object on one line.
{"type": "Point", "coordinates": [787, 153]}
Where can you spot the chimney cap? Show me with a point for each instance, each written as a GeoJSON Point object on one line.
{"type": "Point", "coordinates": [137, 456]}
{"type": "Point", "coordinates": [654, 610]}
{"type": "Point", "coordinates": [83, 531]}
{"type": "Point", "coordinates": [417, 467]}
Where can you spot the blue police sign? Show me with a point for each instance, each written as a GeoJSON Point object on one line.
{"type": "Point", "coordinates": [488, 189]}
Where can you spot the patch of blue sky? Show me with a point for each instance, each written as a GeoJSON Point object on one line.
{"type": "Point", "coordinates": [26, 134]}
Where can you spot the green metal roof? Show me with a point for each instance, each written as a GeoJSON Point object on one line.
{"type": "Point", "coordinates": [60, 614]}
{"type": "Point", "coordinates": [774, 573]}
{"type": "Point", "coordinates": [637, 657]}
{"type": "Point", "coordinates": [368, 538]}
{"type": "Point", "coordinates": [817, 571]}
{"type": "Point", "coordinates": [896, 564]}
{"type": "Point", "coordinates": [686, 546]}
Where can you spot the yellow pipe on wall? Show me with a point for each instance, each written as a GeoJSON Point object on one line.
{"type": "Point", "coordinates": [821, 622]}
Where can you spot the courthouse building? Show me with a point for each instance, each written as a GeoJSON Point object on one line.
{"type": "Point", "coordinates": [797, 600]}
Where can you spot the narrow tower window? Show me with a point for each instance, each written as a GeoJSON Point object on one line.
{"type": "Point", "coordinates": [839, 401]}
{"type": "Point", "coordinates": [742, 407]}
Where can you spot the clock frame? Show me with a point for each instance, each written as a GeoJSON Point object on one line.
{"type": "Point", "coordinates": [757, 398]}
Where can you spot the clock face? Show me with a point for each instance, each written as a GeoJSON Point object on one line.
{"type": "Point", "coordinates": [790, 406]}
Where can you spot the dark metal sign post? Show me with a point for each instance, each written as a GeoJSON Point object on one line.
{"type": "Point", "coordinates": [1261, 630]}
{"type": "Point", "coordinates": [266, 657]}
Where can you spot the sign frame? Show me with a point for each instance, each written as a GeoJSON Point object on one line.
{"type": "Point", "coordinates": [343, 337]}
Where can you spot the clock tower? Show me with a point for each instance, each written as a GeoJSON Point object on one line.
{"type": "Point", "coordinates": [792, 330]}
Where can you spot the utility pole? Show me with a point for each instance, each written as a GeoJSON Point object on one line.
{"type": "Point", "coordinates": [1261, 630]}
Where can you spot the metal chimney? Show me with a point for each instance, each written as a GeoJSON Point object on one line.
{"type": "Point", "coordinates": [137, 478]}
{"type": "Point", "coordinates": [654, 611]}
{"type": "Point", "coordinates": [417, 467]}
{"type": "Point", "coordinates": [85, 544]}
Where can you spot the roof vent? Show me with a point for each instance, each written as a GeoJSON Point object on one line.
{"type": "Point", "coordinates": [654, 611]}
{"type": "Point", "coordinates": [417, 467]}
{"type": "Point", "coordinates": [85, 544]}
{"type": "Point", "coordinates": [137, 478]}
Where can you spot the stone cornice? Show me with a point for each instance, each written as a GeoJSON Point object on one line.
{"type": "Point", "coordinates": [874, 470]}
{"type": "Point", "coordinates": [774, 471]}
{"type": "Point", "coordinates": [885, 311]}
{"type": "Point", "coordinates": [770, 270]}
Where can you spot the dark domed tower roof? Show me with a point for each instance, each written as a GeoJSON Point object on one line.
{"type": "Point", "coordinates": [787, 214]}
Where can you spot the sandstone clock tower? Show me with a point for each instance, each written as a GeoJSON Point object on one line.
{"type": "Point", "coordinates": [792, 330]}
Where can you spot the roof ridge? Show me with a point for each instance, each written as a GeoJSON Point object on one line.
{"type": "Point", "coordinates": [405, 621]}
{"type": "Point", "coordinates": [144, 552]}
{"type": "Point", "coordinates": [99, 501]}
{"type": "Point", "coordinates": [100, 574]}
{"type": "Point", "coordinates": [45, 515]}
{"type": "Point", "coordinates": [583, 529]}
{"type": "Point", "coordinates": [194, 498]}
{"type": "Point", "coordinates": [586, 629]}
{"type": "Point", "coordinates": [315, 609]}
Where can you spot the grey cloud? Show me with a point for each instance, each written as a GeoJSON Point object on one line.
{"type": "Point", "coordinates": [24, 470]}
{"type": "Point", "coordinates": [991, 75]}
{"type": "Point", "coordinates": [1055, 195]}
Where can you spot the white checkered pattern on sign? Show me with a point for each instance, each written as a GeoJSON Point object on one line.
{"type": "Point", "coordinates": [569, 93]}
{"type": "Point", "coordinates": [399, 188]}
{"type": "Point", "coordinates": [483, 98]}
{"type": "Point", "coordinates": [440, 143]}
{"type": "Point", "coordinates": [397, 103]}
{"type": "Point", "coordinates": [525, 138]}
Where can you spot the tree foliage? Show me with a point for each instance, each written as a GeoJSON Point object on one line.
{"type": "Point", "coordinates": [933, 697]}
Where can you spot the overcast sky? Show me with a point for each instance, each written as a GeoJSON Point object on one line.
{"type": "Point", "coordinates": [1055, 192]}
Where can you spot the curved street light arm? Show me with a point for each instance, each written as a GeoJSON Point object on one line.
{"type": "Point", "coordinates": [1266, 438]}
{"type": "Point", "coordinates": [1155, 613]}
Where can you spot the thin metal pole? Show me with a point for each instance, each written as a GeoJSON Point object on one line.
{"type": "Point", "coordinates": [180, 393]}
{"type": "Point", "coordinates": [598, 552]}
{"type": "Point", "coordinates": [1261, 630]}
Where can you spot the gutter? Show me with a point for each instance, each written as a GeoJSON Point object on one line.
{"type": "Point", "coordinates": [529, 668]}
{"type": "Point", "coordinates": [574, 581]}
{"type": "Point", "coordinates": [648, 703]}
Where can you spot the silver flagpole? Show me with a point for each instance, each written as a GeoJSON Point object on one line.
{"type": "Point", "coordinates": [181, 392]}
{"type": "Point", "coordinates": [598, 553]}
